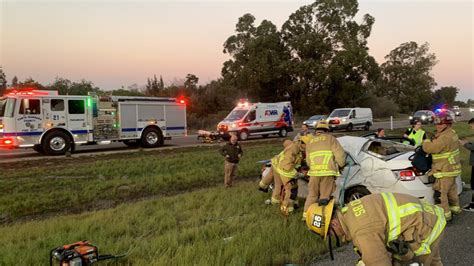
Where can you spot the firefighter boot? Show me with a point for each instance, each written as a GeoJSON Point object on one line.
{"type": "Point", "coordinates": [455, 209]}
{"type": "Point", "coordinates": [448, 216]}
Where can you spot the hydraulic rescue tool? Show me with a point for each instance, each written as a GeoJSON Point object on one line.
{"type": "Point", "coordinates": [81, 253]}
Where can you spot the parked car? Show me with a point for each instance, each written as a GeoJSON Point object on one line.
{"type": "Point", "coordinates": [350, 118]}
{"type": "Point", "coordinates": [456, 110]}
{"type": "Point", "coordinates": [375, 166]}
{"type": "Point", "coordinates": [424, 116]}
{"type": "Point", "coordinates": [312, 121]}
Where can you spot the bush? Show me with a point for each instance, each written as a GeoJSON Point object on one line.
{"type": "Point", "coordinates": [383, 107]}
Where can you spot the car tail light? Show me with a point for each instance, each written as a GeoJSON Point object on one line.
{"type": "Point", "coordinates": [406, 175]}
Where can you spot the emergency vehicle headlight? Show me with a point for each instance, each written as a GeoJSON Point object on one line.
{"type": "Point", "coordinates": [423, 117]}
{"type": "Point", "coordinates": [233, 125]}
{"type": "Point", "coordinates": [344, 120]}
{"type": "Point", "coordinates": [410, 117]}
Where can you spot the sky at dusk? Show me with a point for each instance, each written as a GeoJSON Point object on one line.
{"type": "Point", "coordinates": [119, 43]}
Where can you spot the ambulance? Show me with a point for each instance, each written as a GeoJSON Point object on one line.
{"type": "Point", "coordinates": [257, 119]}
{"type": "Point", "coordinates": [54, 124]}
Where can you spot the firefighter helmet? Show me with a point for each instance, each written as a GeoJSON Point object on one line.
{"type": "Point", "coordinates": [443, 119]}
{"type": "Point", "coordinates": [318, 218]}
{"type": "Point", "coordinates": [322, 125]}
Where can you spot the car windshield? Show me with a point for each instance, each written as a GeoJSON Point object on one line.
{"type": "Point", "coordinates": [316, 117]}
{"type": "Point", "coordinates": [340, 113]}
{"type": "Point", "coordinates": [236, 115]}
{"type": "Point", "coordinates": [420, 113]}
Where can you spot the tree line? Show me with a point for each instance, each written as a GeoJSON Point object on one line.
{"type": "Point", "coordinates": [319, 60]}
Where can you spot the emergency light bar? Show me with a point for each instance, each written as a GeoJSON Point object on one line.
{"type": "Point", "coordinates": [32, 93]}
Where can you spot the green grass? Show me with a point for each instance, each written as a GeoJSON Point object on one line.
{"type": "Point", "coordinates": [215, 226]}
{"type": "Point", "coordinates": [77, 184]}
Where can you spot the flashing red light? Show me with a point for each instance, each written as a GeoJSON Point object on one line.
{"type": "Point", "coordinates": [407, 175]}
{"type": "Point", "coordinates": [181, 100]}
{"type": "Point", "coordinates": [6, 142]}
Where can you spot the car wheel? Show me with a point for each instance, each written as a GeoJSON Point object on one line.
{"type": "Point", "coordinates": [56, 143]}
{"type": "Point", "coordinates": [243, 135]}
{"type": "Point", "coordinates": [355, 193]}
{"type": "Point", "coordinates": [350, 127]}
{"type": "Point", "coordinates": [283, 133]}
{"type": "Point", "coordinates": [367, 126]}
{"type": "Point", "coordinates": [151, 138]}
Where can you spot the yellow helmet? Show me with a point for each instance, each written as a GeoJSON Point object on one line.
{"type": "Point", "coordinates": [287, 143]}
{"type": "Point", "coordinates": [319, 217]}
{"type": "Point", "coordinates": [322, 125]}
{"type": "Point", "coordinates": [305, 139]}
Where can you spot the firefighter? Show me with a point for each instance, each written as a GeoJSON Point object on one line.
{"type": "Point", "coordinates": [415, 133]}
{"type": "Point", "coordinates": [444, 148]}
{"type": "Point", "coordinates": [232, 153]}
{"type": "Point", "coordinates": [325, 156]}
{"type": "Point", "coordinates": [408, 228]}
{"type": "Point", "coordinates": [268, 179]}
{"type": "Point", "coordinates": [284, 170]}
{"type": "Point", "coordinates": [304, 131]}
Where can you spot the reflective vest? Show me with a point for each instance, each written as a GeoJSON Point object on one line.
{"type": "Point", "coordinates": [417, 137]}
{"type": "Point", "coordinates": [319, 163]}
{"type": "Point", "coordinates": [276, 164]}
{"type": "Point", "coordinates": [395, 213]}
{"type": "Point", "coordinates": [452, 158]}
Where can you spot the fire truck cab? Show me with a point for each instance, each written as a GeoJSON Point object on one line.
{"type": "Point", "coordinates": [248, 119]}
{"type": "Point", "coordinates": [54, 124]}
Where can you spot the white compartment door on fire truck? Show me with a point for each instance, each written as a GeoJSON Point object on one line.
{"type": "Point", "coordinates": [78, 118]}
{"type": "Point", "coordinates": [29, 122]}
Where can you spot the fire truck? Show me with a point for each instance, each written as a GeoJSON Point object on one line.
{"type": "Point", "coordinates": [54, 124]}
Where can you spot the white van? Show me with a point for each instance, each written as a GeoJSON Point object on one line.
{"type": "Point", "coordinates": [248, 119]}
{"type": "Point", "coordinates": [350, 118]}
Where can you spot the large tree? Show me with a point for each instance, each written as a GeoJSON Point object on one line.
{"type": "Point", "coordinates": [445, 95]}
{"type": "Point", "coordinates": [259, 60]}
{"type": "Point", "coordinates": [330, 65]}
{"type": "Point", "coordinates": [407, 76]}
{"type": "Point", "coordinates": [3, 81]}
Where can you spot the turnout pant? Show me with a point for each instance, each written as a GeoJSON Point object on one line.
{"type": "Point", "coordinates": [230, 172]}
{"type": "Point", "coordinates": [319, 187]}
{"type": "Point", "coordinates": [267, 180]}
{"type": "Point", "coordinates": [285, 182]}
{"type": "Point", "coordinates": [432, 259]}
{"type": "Point", "coordinates": [446, 193]}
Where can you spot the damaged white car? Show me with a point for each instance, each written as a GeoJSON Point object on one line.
{"type": "Point", "coordinates": [376, 165]}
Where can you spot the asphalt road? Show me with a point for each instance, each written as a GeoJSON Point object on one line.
{"type": "Point", "coordinates": [188, 141]}
{"type": "Point", "coordinates": [456, 247]}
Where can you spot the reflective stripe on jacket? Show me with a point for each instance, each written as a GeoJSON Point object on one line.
{"type": "Point", "coordinates": [324, 155]}
{"type": "Point", "coordinates": [396, 212]}
{"type": "Point", "coordinates": [445, 151]}
{"type": "Point", "coordinates": [417, 136]}
{"type": "Point", "coordinates": [374, 220]}
{"type": "Point", "coordinates": [286, 162]}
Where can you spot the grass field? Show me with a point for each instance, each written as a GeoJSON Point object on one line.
{"type": "Point", "coordinates": [161, 207]}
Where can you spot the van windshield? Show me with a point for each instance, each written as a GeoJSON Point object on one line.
{"type": "Point", "coordinates": [340, 113]}
{"type": "Point", "coordinates": [6, 107]}
{"type": "Point", "coordinates": [236, 115]}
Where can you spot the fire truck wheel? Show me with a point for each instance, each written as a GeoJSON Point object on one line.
{"type": "Point", "coordinates": [283, 133]}
{"type": "Point", "coordinates": [56, 143]}
{"type": "Point", "coordinates": [151, 138]}
{"type": "Point", "coordinates": [243, 135]}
